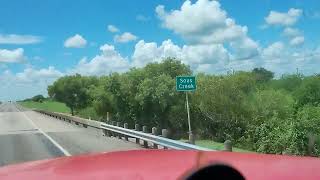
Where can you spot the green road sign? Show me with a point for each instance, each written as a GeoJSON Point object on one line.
{"type": "Point", "coordinates": [186, 83]}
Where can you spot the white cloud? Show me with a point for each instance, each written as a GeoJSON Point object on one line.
{"type": "Point", "coordinates": [112, 28]}
{"type": "Point", "coordinates": [142, 18]}
{"type": "Point", "coordinates": [125, 37]}
{"type": "Point", "coordinates": [30, 75]}
{"type": "Point", "coordinates": [204, 22]}
{"type": "Point", "coordinates": [27, 83]}
{"type": "Point", "coordinates": [307, 61]}
{"type": "Point", "coordinates": [297, 41]}
{"type": "Point", "coordinates": [76, 41]}
{"type": "Point", "coordinates": [19, 39]}
{"type": "Point", "coordinates": [290, 32]}
{"type": "Point", "coordinates": [108, 61]}
{"type": "Point", "coordinates": [193, 19]}
{"type": "Point", "coordinates": [148, 52]}
{"type": "Point", "coordinates": [12, 56]}
{"type": "Point", "coordinates": [278, 58]}
{"type": "Point", "coordinates": [285, 19]}
{"type": "Point", "coordinates": [197, 56]}
{"type": "Point", "coordinates": [201, 22]}
{"type": "Point", "coordinates": [204, 54]}
{"type": "Point", "coordinates": [273, 51]}
{"type": "Point", "coordinates": [244, 48]}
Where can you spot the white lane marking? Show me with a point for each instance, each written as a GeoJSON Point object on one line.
{"type": "Point", "coordinates": [65, 152]}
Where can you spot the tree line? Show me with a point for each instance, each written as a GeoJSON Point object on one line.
{"type": "Point", "coordinates": [253, 109]}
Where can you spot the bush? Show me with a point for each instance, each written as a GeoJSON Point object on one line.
{"type": "Point", "coordinates": [87, 113]}
{"type": "Point", "coordinates": [264, 104]}
{"type": "Point", "coordinates": [308, 92]}
{"type": "Point", "coordinates": [288, 135]}
{"type": "Point", "coordinates": [38, 98]}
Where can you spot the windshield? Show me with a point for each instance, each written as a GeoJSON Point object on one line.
{"type": "Point", "coordinates": [225, 75]}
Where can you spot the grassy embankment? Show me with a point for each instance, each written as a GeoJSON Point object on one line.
{"type": "Point", "coordinates": [46, 105]}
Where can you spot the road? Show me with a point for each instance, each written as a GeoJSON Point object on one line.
{"type": "Point", "coordinates": [27, 136]}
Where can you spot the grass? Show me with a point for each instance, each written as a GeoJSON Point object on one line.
{"type": "Point", "coordinates": [52, 106]}
{"type": "Point", "coordinates": [215, 145]}
{"type": "Point", "coordinates": [87, 113]}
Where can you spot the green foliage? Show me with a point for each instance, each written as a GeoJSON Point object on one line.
{"type": "Point", "coordinates": [287, 82]}
{"type": "Point", "coordinates": [262, 75]}
{"type": "Point", "coordinates": [206, 143]}
{"type": "Point", "coordinates": [72, 90]}
{"type": "Point", "coordinates": [308, 92]}
{"type": "Point", "coordinates": [268, 103]}
{"type": "Point", "coordinates": [254, 110]}
{"type": "Point", "coordinates": [38, 98]}
{"type": "Point", "coordinates": [89, 113]}
{"type": "Point", "coordinates": [309, 116]}
{"type": "Point", "coordinates": [220, 100]}
{"type": "Point", "coordinates": [102, 100]}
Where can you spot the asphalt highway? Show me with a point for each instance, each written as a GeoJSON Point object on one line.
{"type": "Point", "coordinates": [26, 135]}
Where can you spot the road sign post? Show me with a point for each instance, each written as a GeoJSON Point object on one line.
{"type": "Point", "coordinates": [187, 83]}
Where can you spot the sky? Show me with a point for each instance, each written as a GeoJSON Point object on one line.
{"type": "Point", "coordinates": [41, 41]}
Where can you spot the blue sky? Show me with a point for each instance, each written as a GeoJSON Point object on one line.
{"type": "Point", "coordinates": [43, 40]}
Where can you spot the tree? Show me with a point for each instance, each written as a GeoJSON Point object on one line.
{"type": "Point", "coordinates": [264, 104]}
{"type": "Point", "coordinates": [289, 82]}
{"type": "Point", "coordinates": [72, 90]}
{"type": "Point", "coordinates": [262, 75]}
{"type": "Point", "coordinates": [38, 98]}
{"type": "Point", "coordinates": [156, 95]}
{"type": "Point", "coordinates": [308, 92]}
{"type": "Point", "coordinates": [102, 100]}
{"type": "Point", "coordinates": [220, 100]}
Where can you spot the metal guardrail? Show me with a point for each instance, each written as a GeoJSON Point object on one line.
{"type": "Point", "coordinates": [173, 144]}
{"type": "Point", "coordinates": [146, 137]}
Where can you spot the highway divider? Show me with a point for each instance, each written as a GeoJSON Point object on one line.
{"type": "Point", "coordinates": [113, 129]}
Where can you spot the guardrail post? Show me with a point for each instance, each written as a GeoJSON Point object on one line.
{"type": "Point", "coordinates": [191, 138]}
{"type": "Point", "coordinates": [311, 143]}
{"type": "Point", "coordinates": [126, 127]}
{"type": "Point", "coordinates": [228, 145]}
{"type": "Point", "coordinates": [137, 128]}
{"type": "Point", "coordinates": [114, 123]}
{"type": "Point", "coordinates": [154, 132]}
{"type": "Point", "coordinates": [85, 126]}
{"type": "Point", "coordinates": [106, 132]}
{"type": "Point", "coordinates": [119, 125]}
{"type": "Point", "coordinates": [145, 130]}
{"type": "Point", "coordinates": [165, 135]}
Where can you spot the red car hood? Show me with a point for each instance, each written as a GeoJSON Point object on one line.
{"type": "Point", "coordinates": [163, 164]}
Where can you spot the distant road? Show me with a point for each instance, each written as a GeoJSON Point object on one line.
{"type": "Point", "coordinates": [26, 136]}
